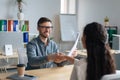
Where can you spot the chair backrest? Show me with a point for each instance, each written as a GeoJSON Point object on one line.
{"type": "Point", "coordinates": [22, 57]}
{"type": "Point", "coordinates": [115, 76]}
{"type": "Point", "coordinates": [3, 65]}
{"type": "Point", "coordinates": [117, 61]}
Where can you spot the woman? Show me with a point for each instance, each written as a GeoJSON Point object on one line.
{"type": "Point", "coordinates": [99, 60]}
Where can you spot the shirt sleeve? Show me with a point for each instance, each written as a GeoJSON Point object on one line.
{"type": "Point", "coordinates": [55, 48]}
{"type": "Point", "coordinates": [73, 75]}
{"type": "Point", "coordinates": [33, 59]}
{"type": "Point", "coordinates": [74, 72]}
{"type": "Point", "coordinates": [79, 70]}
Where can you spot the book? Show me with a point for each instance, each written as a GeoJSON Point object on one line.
{"type": "Point", "coordinates": [5, 25]}
{"type": "Point", "coordinates": [15, 25]}
{"type": "Point", "coordinates": [26, 77]}
{"type": "Point", "coordinates": [10, 25]}
{"type": "Point", "coordinates": [21, 25]}
{"type": "Point", "coordinates": [1, 25]}
{"type": "Point", "coordinates": [25, 37]}
{"type": "Point", "coordinates": [27, 25]}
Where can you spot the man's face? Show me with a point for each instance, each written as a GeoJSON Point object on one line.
{"type": "Point", "coordinates": [45, 29]}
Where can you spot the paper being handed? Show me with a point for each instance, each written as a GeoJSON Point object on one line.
{"type": "Point", "coordinates": [74, 46]}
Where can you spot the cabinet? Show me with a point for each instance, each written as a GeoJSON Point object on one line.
{"type": "Point", "coordinates": [14, 32]}
{"type": "Point", "coordinates": [111, 30]}
{"type": "Point", "coordinates": [8, 61]}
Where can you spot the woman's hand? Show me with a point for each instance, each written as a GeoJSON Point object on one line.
{"type": "Point", "coordinates": [60, 57]}
{"type": "Point", "coordinates": [74, 54]}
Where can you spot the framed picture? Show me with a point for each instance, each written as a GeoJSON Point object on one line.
{"type": "Point", "coordinates": [8, 49]}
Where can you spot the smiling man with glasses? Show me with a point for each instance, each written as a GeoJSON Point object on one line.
{"type": "Point", "coordinates": [41, 51]}
{"type": "Point", "coordinates": [46, 27]}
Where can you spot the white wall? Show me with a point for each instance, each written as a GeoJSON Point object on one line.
{"type": "Point", "coordinates": [97, 10]}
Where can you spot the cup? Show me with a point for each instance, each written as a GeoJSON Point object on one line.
{"type": "Point", "coordinates": [21, 70]}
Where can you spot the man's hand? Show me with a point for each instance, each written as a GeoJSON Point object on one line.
{"type": "Point", "coordinates": [60, 57]}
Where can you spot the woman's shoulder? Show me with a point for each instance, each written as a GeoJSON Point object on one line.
{"type": "Point", "coordinates": [80, 67]}
{"type": "Point", "coordinates": [82, 61]}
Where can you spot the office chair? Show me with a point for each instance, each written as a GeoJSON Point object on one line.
{"type": "Point", "coordinates": [117, 61]}
{"type": "Point", "coordinates": [22, 57]}
{"type": "Point", "coordinates": [115, 76]}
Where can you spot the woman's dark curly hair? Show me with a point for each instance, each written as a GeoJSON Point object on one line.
{"type": "Point", "coordinates": [99, 59]}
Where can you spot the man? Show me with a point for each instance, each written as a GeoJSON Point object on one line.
{"type": "Point", "coordinates": [41, 51]}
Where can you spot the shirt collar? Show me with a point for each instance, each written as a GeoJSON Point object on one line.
{"type": "Point", "coordinates": [48, 40]}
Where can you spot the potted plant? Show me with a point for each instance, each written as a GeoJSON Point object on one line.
{"type": "Point", "coordinates": [20, 13]}
{"type": "Point", "coordinates": [19, 2]}
{"type": "Point", "coordinates": [106, 21]}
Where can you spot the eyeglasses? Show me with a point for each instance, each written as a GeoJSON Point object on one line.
{"type": "Point", "coordinates": [46, 27]}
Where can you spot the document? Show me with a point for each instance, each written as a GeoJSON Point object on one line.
{"type": "Point", "coordinates": [75, 45]}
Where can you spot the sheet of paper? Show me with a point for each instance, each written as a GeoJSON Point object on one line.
{"type": "Point", "coordinates": [75, 45]}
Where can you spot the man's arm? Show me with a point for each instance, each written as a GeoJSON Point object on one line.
{"type": "Point", "coordinates": [33, 59]}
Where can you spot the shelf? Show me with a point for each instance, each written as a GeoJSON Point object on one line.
{"type": "Point", "coordinates": [16, 33]}
{"type": "Point", "coordinates": [9, 61]}
{"type": "Point", "coordinates": [10, 25]}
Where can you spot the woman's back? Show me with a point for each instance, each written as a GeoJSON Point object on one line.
{"type": "Point", "coordinates": [99, 59]}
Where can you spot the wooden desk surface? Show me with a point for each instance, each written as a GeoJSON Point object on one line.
{"type": "Point", "coordinates": [58, 73]}
{"type": "Point", "coordinates": [83, 52]}
{"type": "Point", "coordinates": [15, 55]}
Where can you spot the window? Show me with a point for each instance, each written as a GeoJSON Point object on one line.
{"type": "Point", "coordinates": [68, 7]}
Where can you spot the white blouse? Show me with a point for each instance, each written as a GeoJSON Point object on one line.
{"type": "Point", "coordinates": [79, 70]}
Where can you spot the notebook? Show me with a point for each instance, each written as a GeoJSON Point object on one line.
{"type": "Point", "coordinates": [26, 77]}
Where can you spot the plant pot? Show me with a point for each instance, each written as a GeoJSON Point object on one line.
{"type": "Point", "coordinates": [20, 16]}
{"type": "Point", "coordinates": [106, 23]}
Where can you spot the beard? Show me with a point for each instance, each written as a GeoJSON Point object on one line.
{"type": "Point", "coordinates": [44, 36]}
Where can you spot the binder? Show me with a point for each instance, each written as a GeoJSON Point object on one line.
{"type": "Point", "coordinates": [25, 37]}
{"type": "Point", "coordinates": [5, 25]}
{"type": "Point", "coordinates": [15, 25]}
{"type": "Point", "coordinates": [27, 25]}
{"type": "Point", "coordinates": [10, 25]}
{"type": "Point", "coordinates": [0, 25]}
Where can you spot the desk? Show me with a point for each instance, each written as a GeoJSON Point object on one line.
{"type": "Point", "coordinates": [58, 73]}
{"type": "Point", "coordinates": [10, 56]}
{"type": "Point", "coordinates": [81, 52]}
{"type": "Point", "coordinates": [84, 53]}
